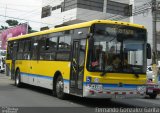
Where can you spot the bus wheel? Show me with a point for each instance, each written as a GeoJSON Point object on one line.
{"type": "Point", "coordinates": [18, 79]}
{"type": "Point", "coordinates": [60, 87]}
{"type": "Point", "coordinates": [153, 96]}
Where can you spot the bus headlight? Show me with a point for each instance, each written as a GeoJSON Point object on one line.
{"type": "Point", "coordinates": [153, 76]}
{"type": "Point", "coordinates": [141, 88]}
{"type": "Point", "coordinates": [153, 80]}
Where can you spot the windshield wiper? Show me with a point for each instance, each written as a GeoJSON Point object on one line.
{"type": "Point", "coordinates": [135, 74]}
{"type": "Point", "coordinates": [103, 73]}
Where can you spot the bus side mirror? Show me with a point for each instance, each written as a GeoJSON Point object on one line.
{"type": "Point", "coordinates": [148, 51]}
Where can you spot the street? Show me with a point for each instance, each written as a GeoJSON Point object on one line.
{"type": "Point", "coordinates": [30, 96]}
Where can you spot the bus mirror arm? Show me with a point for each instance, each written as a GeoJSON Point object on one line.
{"type": "Point", "coordinates": [89, 35]}
{"type": "Point", "coordinates": [103, 73]}
{"type": "Point", "coordinates": [148, 51]}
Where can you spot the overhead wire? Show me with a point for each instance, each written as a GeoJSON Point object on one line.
{"type": "Point", "coordinates": [24, 19]}
{"type": "Point", "coordinates": [9, 4]}
{"type": "Point", "coordinates": [136, 11]}
{"type": "Point", "coordinates": [140, 10]}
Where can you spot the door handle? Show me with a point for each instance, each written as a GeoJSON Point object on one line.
{"type": "Point", "coordinates": [31, 67]}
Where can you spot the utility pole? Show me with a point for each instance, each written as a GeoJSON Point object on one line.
{"type": "Point", "coordinates": [5, 12]}
{"type": "Point", "coordinates": [154, 22]}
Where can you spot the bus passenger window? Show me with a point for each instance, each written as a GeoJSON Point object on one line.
{"type": "Point", "coordinates": [27, 49]}
{"type": "Point", "coordinates": [34, 49]}
{"type": "Point", "coordinates": [51, 44]}
{"type": "Point", "coordinates": [20, 50]}
{"type": "Point", "coordinates": [9, 50]}
{"type": "Point", "coordinates": [51, 47]}
{"type": "Point", "coordinates": [64, 43]}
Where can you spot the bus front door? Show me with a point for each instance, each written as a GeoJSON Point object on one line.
{"type": "Point", "coordinates": [77, 66]}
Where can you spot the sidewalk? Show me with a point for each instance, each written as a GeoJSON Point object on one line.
{"type": "Point", "coordinates": [5, 79]}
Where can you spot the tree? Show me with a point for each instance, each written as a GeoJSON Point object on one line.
{"type": "Point", "coordinates": [12, 23]}
{"type": "Point", "coordinates": [3, 27]}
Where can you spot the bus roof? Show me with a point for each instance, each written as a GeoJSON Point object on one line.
{"type": "Point", "coordinates": [74, 26]}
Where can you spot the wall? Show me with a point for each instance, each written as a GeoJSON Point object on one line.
{"type": "Point", "coordinates": [77, 15]}
{"type": "Point", "coordinates": [145, 19]}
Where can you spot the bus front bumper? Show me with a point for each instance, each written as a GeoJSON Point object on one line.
{"type": "Point", "coordinates": [115, 93]}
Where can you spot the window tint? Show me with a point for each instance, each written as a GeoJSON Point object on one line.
{"type": "Point", "coordinates": [19, 56]}
{"type": "Point", "coordinates": [20, 50]}
{"type": "Point", "coordinates": [9, 50]}
{"type": "Point", "coordinates": [50, 55]}
{"type": "Point", "coordinates": [54, 46]}
{"type": "Point", "coordinates": [80, 33]}
{"type": "Point", "coordinates": [21, 46]}
{"type": "Point", "coordinates": [64, 56]}
{"type": "Point", "coordinates": [34, 46]}
{"type": "Point", "coordinates": [64, 46]}
{"type": "Point", "coordinates": [42, 44]}
{"type": "Point", "coordinates": [27, 50]}
{"type": "Point", "coordinates": [64, 43]}
{"type": "Point", "coordinates": [48, 47]}
{"type": "Point", "coordinates": [51, 44]}
{"type": "Point", "coordinates": [15, 47]}
{"type": "Point", "coordinates": [27, 46]}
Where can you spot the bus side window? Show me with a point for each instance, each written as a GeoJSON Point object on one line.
{"type": "Point", "coordinates": [34, 48]}
{"type": "Point", "coordinates": [42, 47]}
{"type": "Point", "coordinates": [47, 47]}
{"type": "Point", "coordinates": [27, 49]}
{"type": "Point", "coordinates": [9, 50]}
{"type": "Point", "coordinates": [15, 48]}
{"type": "Point", "coordinates": [64, 48]}
{"type": "Point", "coordinates": [51, 48]}
{"type": "Point", "coordinates": [20, 50]}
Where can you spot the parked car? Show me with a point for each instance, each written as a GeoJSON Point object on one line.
{"type": "Point", "coordinates": [2, 64]}
{"type": "Point", "coordinates": [2, 60]}
{"type": "Point", "coordinates": [153, 86]}
{"type": "Point", "coordinates": [150, 74]}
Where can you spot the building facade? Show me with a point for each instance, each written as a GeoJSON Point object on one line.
{"type": "Point", "coordinates": [65, 12]}
{"type": "Point", "coordinates": [144, 13]}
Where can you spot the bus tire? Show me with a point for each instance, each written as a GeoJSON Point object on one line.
{"type": "Point", "coordinates": [60, 88]}
{"type": "Point", "coordinates": [153, 95]}
{"type": "Point", "coordinates": [18, 79]}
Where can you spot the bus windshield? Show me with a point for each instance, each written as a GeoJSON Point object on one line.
{"type": "Point", "coordinates": [117, 48]}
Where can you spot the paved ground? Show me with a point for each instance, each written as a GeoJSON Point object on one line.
{"type": "Point", "coordinates": [37, 97]}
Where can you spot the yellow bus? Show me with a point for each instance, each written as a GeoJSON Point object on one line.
{"type": "Point", "coordinates": [95, 59]}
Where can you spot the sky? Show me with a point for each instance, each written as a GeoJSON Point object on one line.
{"type": "Point", "coordinates": [22, 10]}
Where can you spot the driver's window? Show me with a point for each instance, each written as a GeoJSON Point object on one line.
{"type": "Point", "coordinates": [112, 55]}
{"type": "Point", "coordinates": [107, 55]}
{"type": "Point", "coordinates": [134, 53]}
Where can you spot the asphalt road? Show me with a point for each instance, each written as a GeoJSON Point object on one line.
{"type": "Point", "coordinates": [35, 97]}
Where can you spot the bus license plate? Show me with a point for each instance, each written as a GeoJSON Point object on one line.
{"type": "Point", "coordinates": [150, 91]}
{"type": "Point", "coordinates": [119, 96]}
